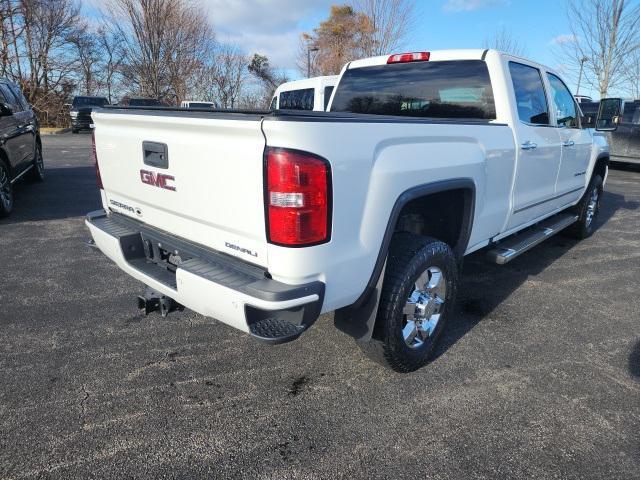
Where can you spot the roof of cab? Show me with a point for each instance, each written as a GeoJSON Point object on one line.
{"type": "Point", "coordinates": [312, 82]}
{"type": "Point", "coordinates": [442, 55]}
{"type": "Point", "coordinates": [434, 56]}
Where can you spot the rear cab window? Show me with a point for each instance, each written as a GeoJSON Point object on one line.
{"type": "Point", "coordinates": [432, 89]}
{"type": "Point", "coordinates": [530, 95]}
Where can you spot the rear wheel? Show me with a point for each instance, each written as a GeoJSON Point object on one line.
{"type": "Point", "coordinates": [74, 130]}
{"type": "Point", "coordinates": [6, 191]}
{"type": "Point", "coordinates": [36, 174]}
{"type": "Point", "coordinates": [587, 210]}
{"type": "Point", "coordinates": [417, 299]}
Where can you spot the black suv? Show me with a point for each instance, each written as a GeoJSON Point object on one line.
{"type": "Point", "coordinates": [81, 111]}
{"type": "Point", "coordinates": [20, 146]}
{"type": "Point", "coordinates": [622, 119]}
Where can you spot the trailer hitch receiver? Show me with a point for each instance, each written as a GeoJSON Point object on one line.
{"type": "Point", "coordinates": [153, 301]}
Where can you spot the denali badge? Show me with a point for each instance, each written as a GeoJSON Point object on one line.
{"type": "Point", "coordinates": [160, 180]}
{"type": "Point", "coordinates": [240, 249]}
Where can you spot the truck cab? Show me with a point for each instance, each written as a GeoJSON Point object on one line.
{"type": "Point", "coordinates": [624, 132]}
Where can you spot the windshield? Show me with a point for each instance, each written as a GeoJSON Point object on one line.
{"type": "Point", "coordinates": [90, 102]}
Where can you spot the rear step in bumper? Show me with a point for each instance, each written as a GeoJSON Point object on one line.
{"type": "Point", "coordinates": [515, 246]}
{"type": "Point", "coordinates": [212, 284]}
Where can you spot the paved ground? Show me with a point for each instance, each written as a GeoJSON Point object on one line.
{"type": "Point", "coordinates": [539, 377]}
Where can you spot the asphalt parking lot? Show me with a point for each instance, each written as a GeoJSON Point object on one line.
{"type": "Point", "coordinates": [538, 377]}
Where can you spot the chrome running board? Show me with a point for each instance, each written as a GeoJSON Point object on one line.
{"type": "Point", "coordinates": [516, 245]}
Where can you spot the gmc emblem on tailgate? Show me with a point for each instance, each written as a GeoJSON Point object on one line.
{"type": "Point", "coordinates": [159, 180]}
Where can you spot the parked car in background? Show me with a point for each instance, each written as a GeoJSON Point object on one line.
{"type": "Point", "coordinates": [139, 102]}
{"type": "Point", "coordinates": [366, 210]}
{"type": "Point", "coordinates": [622, 128]}
{"type": "Point", "coordinates": [308, 94]}
{"type": "Point", "coordinates": [20, 145]}
{"type": "Point", "coordinates": [197, 104]}
{"type": "Point", "coordinates": [81, 109]}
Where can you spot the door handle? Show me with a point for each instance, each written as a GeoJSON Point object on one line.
{"type": "Point", "coordinates": [568, 143]}
{"type": "Point", "coordinates": [528, 145]}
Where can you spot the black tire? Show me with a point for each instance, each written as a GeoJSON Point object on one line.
{"type": "Point", "coordinates": [6, 191]}
{"type": "Point", "coordinates": [410, 256]}
{"type": "Point", "coordinates": [36, 174]}
{"type": "Point", "coordinates": [586, 210]}
{"type": "Point", "coordinates": [73, 130]}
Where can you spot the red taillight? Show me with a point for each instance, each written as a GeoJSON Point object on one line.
{"type": "Point", "coordinates": [298, 197]}
{"type": "Point", "coordinates": [95, 159]}
{"type": "Point", "coordinates": [409, 57]}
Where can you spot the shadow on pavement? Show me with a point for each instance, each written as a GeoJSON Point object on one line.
{"type": "Point", "coordinates": [634, 360]}
{"type": "Point", "coordinates": [66, 192]}
{"type": "Point", "coordinates": [484, 285]}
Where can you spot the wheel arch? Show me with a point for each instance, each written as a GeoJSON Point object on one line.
{"type": "Point", "coordinates": [358, 319]}
{"type": "Point", "coordinates": [4, 159]}
{"type": "Point", "coordinates": [601, 165]}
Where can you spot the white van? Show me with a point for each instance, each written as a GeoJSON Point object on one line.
{"type": "Point", "coordinates": [308, 94]}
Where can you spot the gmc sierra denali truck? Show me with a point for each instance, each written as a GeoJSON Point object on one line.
{"type": "Point", "coordinates": [266, 219]}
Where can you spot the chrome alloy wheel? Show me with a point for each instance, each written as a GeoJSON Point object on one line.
{"type": "Point", "coordinates": [424, 307]}
{"type": "Point", "coordinates": [592, 206]}
{"type": "Point", "coordinates": [5, 189]}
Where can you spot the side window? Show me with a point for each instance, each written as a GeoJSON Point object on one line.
{"type": "Point", "coordinates": [274, 102]}
{"type": "Point", "coordinates": [636, 115]}
{"type": "Point", "coordinates": [566, 114]}
{"type": "Point", "coordinates": [10, 98]}
{"type": "Point", "coordinates": [18, 94]}
{"type": "Point", "coordinates": [297, 99]}
{"type": "Point", "coordinates": [327, 96]}
{"type": "Point", "coordinates": [630, 109]}
{"type": "Point", "coordinates": [530, 96]}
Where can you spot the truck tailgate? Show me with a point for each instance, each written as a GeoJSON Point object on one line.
{"type": "Point", "coordinates": [211, 189]}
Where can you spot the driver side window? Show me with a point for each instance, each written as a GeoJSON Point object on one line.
{"type": "Point", "coordinates": [563, 102]}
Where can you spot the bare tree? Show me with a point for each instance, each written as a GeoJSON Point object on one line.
{"type": "Point", "coordinates": [387, 22]}
{"type": "Point", "coordinates": [89, 54]}
{"type": "Point", "coordinates": [38, 53]}
{"type": "Point", "coordinates": [632, 74]}
{"type": "Point", "coordinates": [605, 33]}
{"type": "Point", "coordinates": [504, 41]}
{"type": "Point", "coordinates": [165, 44]}
{"type": "Point", "coordinates": [112, 56]}
{"type": "Point", "coordinates": [229, 70]}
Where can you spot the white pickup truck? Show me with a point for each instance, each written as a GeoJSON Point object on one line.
{"type": "Point", "coordinates": [266, 219]}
